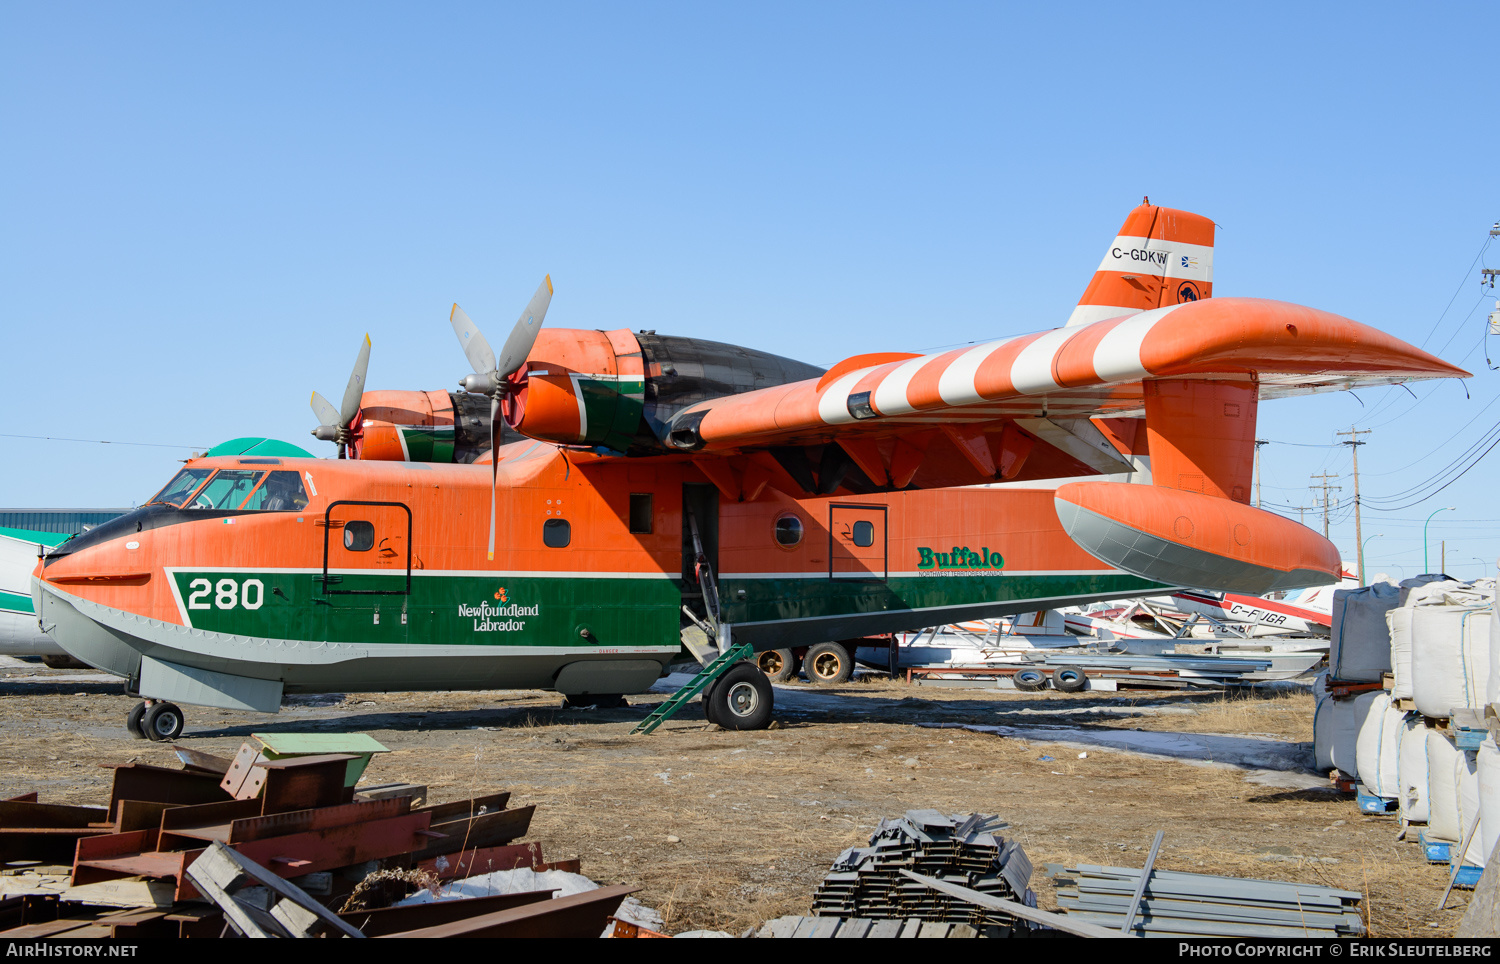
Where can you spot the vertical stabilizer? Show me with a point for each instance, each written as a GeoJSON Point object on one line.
{"type": "Point", "coordinates": [1161, 257]}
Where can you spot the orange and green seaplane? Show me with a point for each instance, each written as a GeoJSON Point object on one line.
{"type": "Point", "coordinates": [592, 501]}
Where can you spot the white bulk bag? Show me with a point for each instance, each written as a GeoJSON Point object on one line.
{"type": "Point", "coordinates": [1492, 689]}
{"type": "Point", "coordinates": [1360, 644]}
{"type": "Point", "coordinates": [1450, 657]}
{"type": "Point", "coordinates": [1377, 749]}
{"type": "Point", "coordinates": [1443, 819]}
{"type": "Point", "coordinates": [1413, 771]}
{"type": "Point", "coordinates": [1466, 772]}
{"type": "Point", "coordinates": [1489, 795]}
{"type": "Point", "coordinates": [1398, 621]}
{"type": "Point", "coordinates": [1336, 726]}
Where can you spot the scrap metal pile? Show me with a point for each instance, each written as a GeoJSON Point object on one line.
{"type": "Point", "coordinates": [1177, 904]}
{"type": "Point", "coordinates": [964, 849]}
{"type": "Point", "coordinates": [273, 847]}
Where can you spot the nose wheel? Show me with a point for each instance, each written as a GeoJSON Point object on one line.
{"type": "Point", "coordinates": [155, 720]}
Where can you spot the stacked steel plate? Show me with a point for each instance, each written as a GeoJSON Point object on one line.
{"type": "Point", "coordinates": [965, 849]}
{"type": "Point", "coordinates": [1202, 905]}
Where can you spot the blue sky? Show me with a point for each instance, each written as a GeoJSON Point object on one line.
{"type": "Point", "coordinates": [207, 205]}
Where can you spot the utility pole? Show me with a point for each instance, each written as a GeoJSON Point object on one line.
{"type": "Point", "coordinates": [1354, 443]}
{"type": "Point", "coordinates": [1325, 487]}
{"type": "Point", "coordinates": [1258, 443]}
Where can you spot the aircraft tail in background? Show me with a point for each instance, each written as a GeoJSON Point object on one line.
{"type": "Point", "coordinates": [1161, 257]}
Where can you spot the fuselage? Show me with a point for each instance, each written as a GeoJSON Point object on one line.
{"type": "Point", "coordinates": [375, 575]}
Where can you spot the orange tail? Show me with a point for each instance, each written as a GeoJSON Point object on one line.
{"type": "Point", "coordinates": [1162, 256]}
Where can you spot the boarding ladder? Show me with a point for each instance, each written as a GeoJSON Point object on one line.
{"type": "Point", "coordinates": [716, 668]}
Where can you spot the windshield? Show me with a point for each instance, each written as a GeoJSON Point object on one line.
{"type": "Point", "coordinates": [183, 484]}
{"type": "Point", "coordinates": [226, 490]}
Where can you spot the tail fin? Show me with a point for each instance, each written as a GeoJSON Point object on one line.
{"type": "Point", "coordinates": [1162, 256]}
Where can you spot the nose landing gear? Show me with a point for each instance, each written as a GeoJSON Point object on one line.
{"type": "Point", "coordinates": [155, 720]}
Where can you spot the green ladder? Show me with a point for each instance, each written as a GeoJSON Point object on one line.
{"type": "Point", "coordinates": [696, 685]}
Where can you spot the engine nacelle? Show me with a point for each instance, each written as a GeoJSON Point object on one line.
{"type": "Point", "coordinates": [397, 426]}
{"type": "Point", "coordinates": [580, 388]}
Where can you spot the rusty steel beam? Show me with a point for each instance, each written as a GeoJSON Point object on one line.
{"type": "Point", "coordinates": [581, 915]}
{"type": "Point", "coordinates": [443, 812]}
{"type": "Point", "coordinates": [140, 781]}
{"type": "Point", "coordinates": [487, 830]}
{"type": "Point", "coordinates": [332, 847]}
{"type": "Point", "coordinates": [393, 920]}
{"type": "Point", "coordinates": [483, 860]}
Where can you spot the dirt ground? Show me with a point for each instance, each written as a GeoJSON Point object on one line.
{"type": "Point", "coordinates": [758, 817]}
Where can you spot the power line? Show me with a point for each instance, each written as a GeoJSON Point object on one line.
{"type": "Point", "coordinates": [104, 441]}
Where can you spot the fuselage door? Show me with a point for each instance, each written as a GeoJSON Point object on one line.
{"type": "Point", "coordinates": [367, 549]}
{"type": "Point", "coordinates": [857, 541]}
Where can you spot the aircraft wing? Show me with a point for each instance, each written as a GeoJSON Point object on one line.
{"type": "Point", "coordinates": [1079, 389]}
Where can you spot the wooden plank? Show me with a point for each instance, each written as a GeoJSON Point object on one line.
{"type": "Point", "coordinates": [219, 864]}
{"type": "Point", "coordinates": [1058, 921]}
{"type": "Point", "coordinates": [129, 892]}
{"type": "Point", "coordinates": [805, 927]}
{"type": "Point", "coordinates": [203, 762]}
{"type": "Point", "coordinates": [854, 928]}
{"type": "Point", "coordinates": [883, 929]}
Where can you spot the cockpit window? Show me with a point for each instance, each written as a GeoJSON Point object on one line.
{"type": "Point", "coordinates": [184, 484]}
{"type": "Point", "coordinates": [226, 490]}
{"type": "Point", "coordinates": [281, 491]}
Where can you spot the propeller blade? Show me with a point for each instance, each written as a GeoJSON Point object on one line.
{"type": "Point", "coordinates": [476, 349]}
{"type": "Point", "coordinates": [528, 326]}
{"type": "Point", "coordinates": [494, 469]}
{"type": "Point", "coordinates": [323, 408]}
{"type": "Point", "coordinates": [356, 388]}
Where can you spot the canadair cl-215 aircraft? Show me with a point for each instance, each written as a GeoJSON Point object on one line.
{"type": "Point", "coordinates": [658, 480]}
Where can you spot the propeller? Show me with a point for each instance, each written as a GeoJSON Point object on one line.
{"type": "Point", "coordinates": [492, 376]}
{"type": "Point", "coordinates": [334, 423]}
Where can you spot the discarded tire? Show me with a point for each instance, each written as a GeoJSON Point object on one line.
{"type": "Point", "coordinates": [1069, 679]}
{"type": "Point", "coordinates": [1030, 679]}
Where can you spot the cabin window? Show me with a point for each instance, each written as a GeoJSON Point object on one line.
{"type": "Point", "coordinates": [183, 484]}
{"type": "Point", "coordinates": [226, 490]}
{"type": "Point", "coordinates": [789, 531]}
{"type": "Point", "coordinates": [557, 533]}
{"type": "Point", "coordinates": [864, 533]}
{"type": "Point", "coordinates": [359, 536]}
{"type": "Point", "coordinates": [640, 512]}
{"type": "Point", "coordinates": [281, 491]}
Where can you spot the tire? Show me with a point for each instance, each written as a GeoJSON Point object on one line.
{"type": "Point", "coordinates": [742, 699]}
{"type": "Point", "coordinates": [163, 722]}
{"type": "Point", "coordinates": [1069, 679]}
{"type": "Point", "coordinates": [710, 712]}
{"type": "Point", "coordinates": [828, 664]}
{"type": "Point", "coordinates": [1030, 679]}
{"type": "Point", "coordinates": [779, 665]}
{"type": "Point", "coordinates": [133, 721]}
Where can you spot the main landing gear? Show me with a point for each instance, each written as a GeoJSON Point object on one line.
{"type": "Point", "coordinates": [155, 720]}
{"type": "Point", "coordinates": [741, 699]}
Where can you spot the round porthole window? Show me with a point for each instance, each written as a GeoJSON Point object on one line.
{"type": "Point", "coordinates": [789, 531]}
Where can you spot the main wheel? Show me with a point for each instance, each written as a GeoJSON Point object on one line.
{"type": "Point", "coordinates": [133, 721]}
{"type": "Point", "coordinates": [779, 665]}
{"type": "Point", "coordinates": [828, 664]}
{"type": "Point", "coordinates": [710, 708]}
{"type": "Point", "coordinates": [163, 722]}
{"type": "Point", "coordinates": [1069, 679]}
{"type": "Point", "coordinates": [742, 699]}
{"type": "Point", "coordinates": [1030, 679]}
